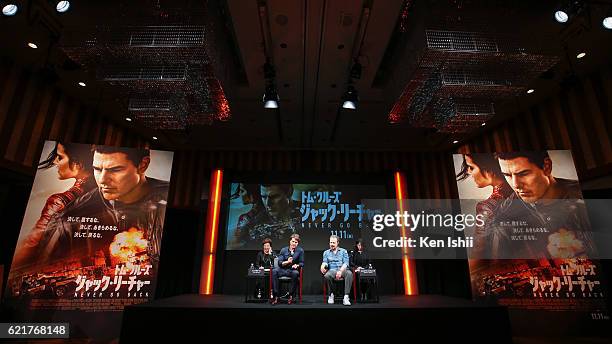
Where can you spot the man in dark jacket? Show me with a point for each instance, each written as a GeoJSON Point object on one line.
{"type": "Point", "coordinates": [290, 262]}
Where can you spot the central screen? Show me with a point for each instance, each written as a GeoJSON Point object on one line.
{"type": "Point", "coordinates": [314, 211]}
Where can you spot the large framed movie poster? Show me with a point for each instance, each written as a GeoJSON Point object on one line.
{"type": "Point", "coordinates": [90, 239]}
{"type": "Point", "coordinates": [535, 249]}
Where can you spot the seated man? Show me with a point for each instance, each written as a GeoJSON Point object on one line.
{"type": "Point", "coordinates": [290, 260]}
{"type": "Point", "coordinates": [335, 266]}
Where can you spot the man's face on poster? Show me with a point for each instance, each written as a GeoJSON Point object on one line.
{"type": "Point", "coordinates": [529, 181]}
{"type": "Point", "coordinates": [276, 200]}
{"type": "Point", "coordinates": [117, 176]}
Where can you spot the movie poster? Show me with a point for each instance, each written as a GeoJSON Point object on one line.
{"type": "Point", "coordinates": [535, 249]}
{"type": "Point", "coordinates": [315, 211]}
{"type": "Point", "coordinates": [90, 239]}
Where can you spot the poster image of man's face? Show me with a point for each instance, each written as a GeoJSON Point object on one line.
{"type": "Point", "coordinates": [528, 180]}
{"type": "Point", "coordinates": [276, 200]}
{"type": "Point", "coordinates": [117, 176]}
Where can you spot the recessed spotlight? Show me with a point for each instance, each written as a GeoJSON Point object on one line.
{"type": "Point", "coordinates": [483, 124]}
{"type": "Point", "coordinates": [455, 141]}
{"type": "Point", "coordinates": [62, 6]}
{"type": "Point", "coordinates": [607, 22]}
{"type": "Point", "coordinates": [581, 55]}
{"type": "Point", "coordinates": [128, 119]}
{"type": "Point", "coordinates": [82, 84]}
{"type": "Point", "coordinates": [531, 90]}
{"type": "Point", "coordinates": [154, 137]}
{"type": "Point", "coordinates": [9, 10]}
{"type": "Point", "coordinates": [32, 45]}
{"type": "Point", "coordinates": [561, 16]}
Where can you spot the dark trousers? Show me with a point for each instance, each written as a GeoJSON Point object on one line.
{"type": "Point", "coordinates": [279, 272]}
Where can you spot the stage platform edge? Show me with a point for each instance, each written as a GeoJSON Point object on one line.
{"type": "Point", "coordinates": [197, 317]}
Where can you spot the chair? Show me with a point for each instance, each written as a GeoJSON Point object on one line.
{"type": "Point", "coordinates": [336, 282]}
{"type": "Point", "coordinates": [286, 279]}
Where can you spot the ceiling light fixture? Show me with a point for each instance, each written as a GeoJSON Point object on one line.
{"type": "Point", "coordinates": [82, 84]}
{"type": "Point", "coordinates": [569, 10]}
{"type": "Point", "coordinates": [581, 55]}
{"type": "Point", "coordinates": [154, 137]}
{"type": "Point", "coordinates": [9, 10]}
{"type": "Point", "coordinates": [561, 16]}
{"type": "Point", "coordinates": [454, 142]}
{"type": "Point", "coordinates": [270, 97]}
{"type": "Point", "coordinates": [62, 6]}
{"type": "Point", "coordinates": [351, 98]}
{"type": "Point", "coordinates": [32, 45]}
{"type": "Point", "coordinates": [531, 90]}
{"type": "Point", "coordinates": [128, 119]}
{"type": "Point", "coordinates": [576, 8]}
{"type": "Point", "coordinates": [607, 21]}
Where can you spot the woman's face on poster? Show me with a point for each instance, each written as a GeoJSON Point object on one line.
{"type": "Point", "coordinates": [65, 170]}
{"type": "Point", "coordinates": [480, 179]}
{"type": "Point", "coordinates": [245, 196]}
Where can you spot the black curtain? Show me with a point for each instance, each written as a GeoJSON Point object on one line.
{"type": "Point", "coordinates": [180, 257]}
{"type": "Point", "coordinates": [449, 277]}
{"type": "Point", "coordinates": [14, 194]}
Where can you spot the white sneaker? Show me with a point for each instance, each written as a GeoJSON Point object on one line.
{"type": "Point", "coordinates": [330, 299]}
{"type": "Point", "coordinates": [346, 301]}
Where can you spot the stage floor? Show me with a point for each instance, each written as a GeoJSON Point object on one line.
{"type": "Point", "coordinates": [191, 317]}
{"type": "Point", "coordinates": [313, 302]}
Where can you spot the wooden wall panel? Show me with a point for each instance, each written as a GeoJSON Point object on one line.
{"type": "Point", "coordinates": [577, 119]}
{"type": "Point", "coordinates": [32, 111]}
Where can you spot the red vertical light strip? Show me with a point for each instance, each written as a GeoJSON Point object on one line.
{"type": "Point", "coordinates": [207, 271]}
{"type": "Point", "coordinates": [407, 265]}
